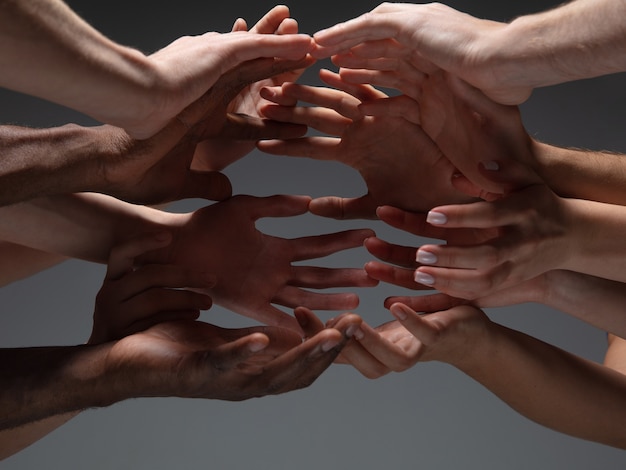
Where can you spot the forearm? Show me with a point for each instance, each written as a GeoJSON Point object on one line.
{"type": "Point", "coordinates": [18, 262]}
{"type": "Point", "coordinates": [599, 302]}
{"type": "Point", "coordinates": [550, 386]}
{"type": "Point", "coordinates": [83, 69]}
{"type": "Point", "coordinates": [582, 39]}
{"type": "Point", "coordinates": [583, 174]}
{"type": "Point", "coordinates": [16, 439]}
{"type": "Point", "coordinates": [83, 226]}
{"type": "Point", "coordinates": [41, 162]}
{"type": "Point", "coordinates": [38, 383]}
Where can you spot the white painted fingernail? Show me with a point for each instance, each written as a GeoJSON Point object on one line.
{"type": "Point", "coordinates": [424, 278]}
{"type": "Point", "coordinates": [491, 165]}
{"type": "Point", "coordinates": [425, 257]}
{"type": "Point", "coordinates": [436, 218]}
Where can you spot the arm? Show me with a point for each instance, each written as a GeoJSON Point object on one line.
{"type": "Point", "coordinates": [581, 39]}
{"type": "Point", "coordinates": [117, 84]}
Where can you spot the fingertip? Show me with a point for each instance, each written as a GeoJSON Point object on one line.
{"type": "Point", "coordinates": [257, 342]}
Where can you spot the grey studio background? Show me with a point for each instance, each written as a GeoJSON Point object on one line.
{"type": "Point", "coordinates": [431, 416]}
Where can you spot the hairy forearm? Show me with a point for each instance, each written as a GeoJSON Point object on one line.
{"type": "Point", "coordinates": [41, 162]}
{"type": "Point", "coordinates": [550, 386]}
{"type": "Point", "coordinates": [83, 226]}
{"type": "Point", "coordinates": [583, 174]}
{"type": "Point", "coordinates": [582, 39]}
{"type": "Point", "coordinates": [113, 81]}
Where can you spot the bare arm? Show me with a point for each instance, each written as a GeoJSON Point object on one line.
{"type": "Point", "coordinates": [117, 84]}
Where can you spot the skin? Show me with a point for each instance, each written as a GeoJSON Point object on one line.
{"type": "Point", "coordinates": [399, 163]}
{"type": "Point", "coordinates": [580, 39]}
{"type": "Point", "coordinates": [169, 166]}
{"type": "Point", "coordinates": [133, 300]}
{"type": "Point", "coordinates": [119, 85]}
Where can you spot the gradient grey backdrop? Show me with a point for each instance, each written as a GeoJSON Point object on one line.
{"type": "Point", "coordinates": [431, 416]}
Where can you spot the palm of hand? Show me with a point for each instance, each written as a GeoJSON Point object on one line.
{"type": "Point", "coordinates": [400, 164]}
{"type": "Point", "coordinates": [193, 359]}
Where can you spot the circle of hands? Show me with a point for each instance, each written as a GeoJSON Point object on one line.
{"type": "Point", "coordinates": [421, 153]}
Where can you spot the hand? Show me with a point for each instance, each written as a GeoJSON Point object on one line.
{"type": "Point", "coordinates": [431, 36]}
{"type": "Point", "coordinates": [472, 131]}
{"type": "Point", "coordinates": [219, 152]}
{"type": "Point", "coordinates": [197, 360]}
{"type": "Point", "coordinates": [190, 66]}
{"type": "Point", "coordinates": [132, 300]}
{"type": "Point", "coordinates": [400, 164]}
{"type": "Point", "coordinates": [168, 166]}
{"type": "Point", "coordinates": [255, 270]}
{"type": "Point", "coordinates": [398, 345]}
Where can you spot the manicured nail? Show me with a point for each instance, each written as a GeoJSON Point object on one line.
{"type": "Point", "coordinates": [351, 331]}
{"type": "Point", "coordinates": [436, 218]}
{"type": "Point", "coordinates": [329, 344]}
{"type": "Point", "coordinates": [359, 334]}
{"type": "Point", "coordinates": [425, 257]}
{"type": "Point", "coordinates": [424, 278]}
{"type": "Point", "coordinates": [491, 165]}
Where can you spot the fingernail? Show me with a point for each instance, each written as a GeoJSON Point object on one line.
{"type": "Point", "coordinates": [329, 344]}
{"type": "Point", "coordinates": [352, 329]}
{"type": "Point", "coordinates": [359, 334]}
{"type": "Point", "coordinates": [491, 165]}
{"type": "Point", "coordinates": [256, 346]}
{"type": "Point", "coordinates": [425, 257]}
{"type": "Point", "coordinates": [436, 218]}
{"type": "Point", "coordinates": [424, 278]}
{"type": "Point", "coordinates": [398, 312]}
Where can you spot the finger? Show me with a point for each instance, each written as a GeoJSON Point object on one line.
{"type": "Point", "coordinates": [164, 300]}
{"type": "Point", "coordinates": [274, 206]}
{"type": "Point", "coordinates": [228, 356]}
{"type": "Point", "coordinates": [342, 98]}
{"type": "Point", "coordinates": [464, 283]}
{"type": "Point", "coordinates": [484, 256]}
{"type": "Point", "coordinates": [272, 316]}
{"type": "Point", "coordinates": [360, 91]}
{"type": "Point", "coordinates": [308, 321]}
{"type": "Point", "coordinates": [276, 95]}
{"type": "Point", "coordinates": [252, 46]}
{"type": "Point", "coordinates": [463, 184]}
{"type": "Point", "coordinates": [426, 303]}
{"type": "Point", "coordinates": [423, 330]}
{"type": "Point", "coordinates": [340, 208]}
{"type": "Point", "coordinates": [389, 353]}
{"type": "Point", "coordinates": [379, 48]}
{"type": "Point", "coordinates": [271, 21]}
{"type": "Point", "coordinates": [122, 257]}
{"type": "Point", "coordinates": [482, 214]}
{"type": "Point", "coordinates": [324, 120]}
{"type": "Point", "coordinates": [301, 366]}
{"type": "Point", "coordinates": [324, 278]}
{"type": "Point", "coordinates": [293, 297]}
{"type": "Point", "coordinates": [211, 185]}
{"type": "Point", "coordinates": [412, 222]}
{"type": "Point", "coordinates": [288, 26]}
{"type": "Point", "coordinates": [397, 106]}
{"type": "Point", "coordinates": [405, 79]}
{"type": "Point", "coordinates": [317, 148]}
{"type": "Point", "coordinates": [393, 275]}
{"type": "Point", "coordinates": [318, 246]}
{"type": "Point", "coordinates": [242, 127]}
{"type": "Point", "coordinates": [399, 255]}
{"type": "Point", "coordinates": [239, 25]}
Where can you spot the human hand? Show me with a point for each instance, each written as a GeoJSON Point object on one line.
{"type": "Point", "coordinates": [188, 67]}
{"type": "Point", "coordinates": [168, 166]}
{"type": "Point", "coordinates": [132, 300]}
{"type": "Point", "coordinates": [219, 152]}
{"type": "Point", "coordinates": [398, 345]}
{"type": "Point", "coordinates": [255, 270]}
{"type": "Point", "coordinates": [400, 164]}
{"type": "Point", "coordinates": [471, 130]}
{"type": "Point", "coordinates": [430, 36]}
{"type": "Point", "coordinates": [194, 359]}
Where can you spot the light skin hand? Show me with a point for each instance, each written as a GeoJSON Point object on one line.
{"type": "Point", "coordinates": [255, 270]}
{"type": "Point", "coordinates": [398, 162]}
